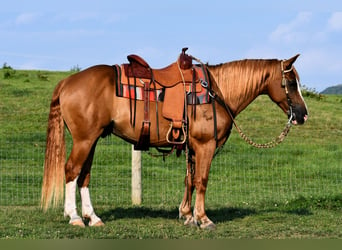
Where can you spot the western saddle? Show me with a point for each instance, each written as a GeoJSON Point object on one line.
{"type": "Point", "coordinates": [176, 79]}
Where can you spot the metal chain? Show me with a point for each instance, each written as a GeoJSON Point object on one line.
{"type": "Point", "coordinates": [270, 144]}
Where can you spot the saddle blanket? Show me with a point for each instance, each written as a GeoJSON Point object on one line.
{"type": "Point", "coordinates": [134, 88]}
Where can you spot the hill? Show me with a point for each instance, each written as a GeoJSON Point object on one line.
{"type": "Point", "coordinates": [335, 90]}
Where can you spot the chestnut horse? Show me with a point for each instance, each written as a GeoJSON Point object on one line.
{"type": "Point", "coordinates": [87, 104]}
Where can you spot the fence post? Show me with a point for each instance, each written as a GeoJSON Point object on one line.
{"type": "Point", "coordinates": [136, 177]}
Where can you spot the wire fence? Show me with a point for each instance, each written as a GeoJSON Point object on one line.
{"type": "Point", "coordinates": [239, 174]}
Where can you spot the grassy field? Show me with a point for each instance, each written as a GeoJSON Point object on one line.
{"type": "Point", "coordinates": [292, 191]}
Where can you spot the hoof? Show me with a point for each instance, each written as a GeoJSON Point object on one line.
{"type": "Point", "coordinates": [190, 222]}
{"type": "Point", "coordinates": [93, 220]}
{"type": "Point", "coordinates": [77, 222]}
{"type": "Point", "coordinates": [97, 224]}
{"type": "Point", "coordinates": [208, 226]}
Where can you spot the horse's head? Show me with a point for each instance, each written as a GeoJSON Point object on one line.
{"type": "Point", "coordinates": [285, 91]}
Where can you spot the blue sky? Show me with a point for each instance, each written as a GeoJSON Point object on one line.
{"type": "Point", "coordinates": [59, 35]}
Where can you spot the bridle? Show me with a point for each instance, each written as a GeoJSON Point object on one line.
{"type": "Point", "coordinates": [284, 85]}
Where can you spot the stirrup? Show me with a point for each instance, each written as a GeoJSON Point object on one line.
{"type": "Point", "coordinates": [175, 142]}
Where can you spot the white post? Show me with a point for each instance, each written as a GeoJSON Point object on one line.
{"type": "Point", "coordinates": [136, 177]}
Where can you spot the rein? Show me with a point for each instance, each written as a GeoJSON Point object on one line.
{"type": "Point", "coordinates": [276, 141]}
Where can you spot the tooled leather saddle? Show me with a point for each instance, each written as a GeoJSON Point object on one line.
{"type": "Point", "coordinates": [175, 81]}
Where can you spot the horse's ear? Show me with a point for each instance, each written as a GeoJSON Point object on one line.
{"type": "Point", "coordinates": [288, 63]}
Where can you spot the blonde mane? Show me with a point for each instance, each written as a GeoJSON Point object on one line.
{"type": "Point", "coordinates": [242, 81]}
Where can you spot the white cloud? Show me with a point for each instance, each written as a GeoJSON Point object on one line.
{"type": "Point", "coordinates": [291, 31]}
{"type": "Point", "coordinates": [335, 21]}
{"type": "Point", "coordinates": [25, 18]}
{"type": "Point", "coordinates": [83, 16]}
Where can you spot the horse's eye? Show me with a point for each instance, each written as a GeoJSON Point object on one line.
{"type": "Point", "coordinates": [293, 84]}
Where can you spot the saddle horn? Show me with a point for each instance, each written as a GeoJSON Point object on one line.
{"type": "Point", "coordinates": [184, 60]}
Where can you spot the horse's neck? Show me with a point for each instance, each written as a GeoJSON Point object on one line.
{"type": "Point", "coordinates": [239, 89]}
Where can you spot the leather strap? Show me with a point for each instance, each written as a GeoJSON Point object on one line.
{"type": "Point", "coordinates": [144, 139]}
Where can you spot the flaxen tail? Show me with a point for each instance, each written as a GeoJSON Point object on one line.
{"type": "Point", "coordinates": [55, 153]}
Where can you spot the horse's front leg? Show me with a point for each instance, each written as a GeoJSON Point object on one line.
{"type": "Point", "coordinates": [204, 156]}
{"type": "Point", "coordinates": [185, 207]}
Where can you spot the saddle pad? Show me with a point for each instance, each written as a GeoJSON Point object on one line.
{"type": "Point", "coordinates": [133, 88]}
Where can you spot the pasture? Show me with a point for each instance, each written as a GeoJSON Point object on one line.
{"type": "Point", "coordinates": [291, 191]}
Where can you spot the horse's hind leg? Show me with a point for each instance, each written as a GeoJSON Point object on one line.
{"type": "Point", "coordinates": [83, 183]}
{"type": "Point", "coordinates": [78, 156]}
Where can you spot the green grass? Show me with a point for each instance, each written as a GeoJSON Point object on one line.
{"type": "Point", "coordinates": [291, 191]}
{"type": "Point", "coordinates": [301, 218]}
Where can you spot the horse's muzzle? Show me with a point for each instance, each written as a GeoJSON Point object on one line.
{"type": "Point", "coordinates": [299, 117]}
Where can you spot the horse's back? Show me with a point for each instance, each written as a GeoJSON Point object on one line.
{"type": "Point", "coordinates": [91, 77]}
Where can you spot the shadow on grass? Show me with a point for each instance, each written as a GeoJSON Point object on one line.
{"type": "Point", "coordinates": [302, 206]}
{"type": "Point", "coordinates": [217, 215]}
